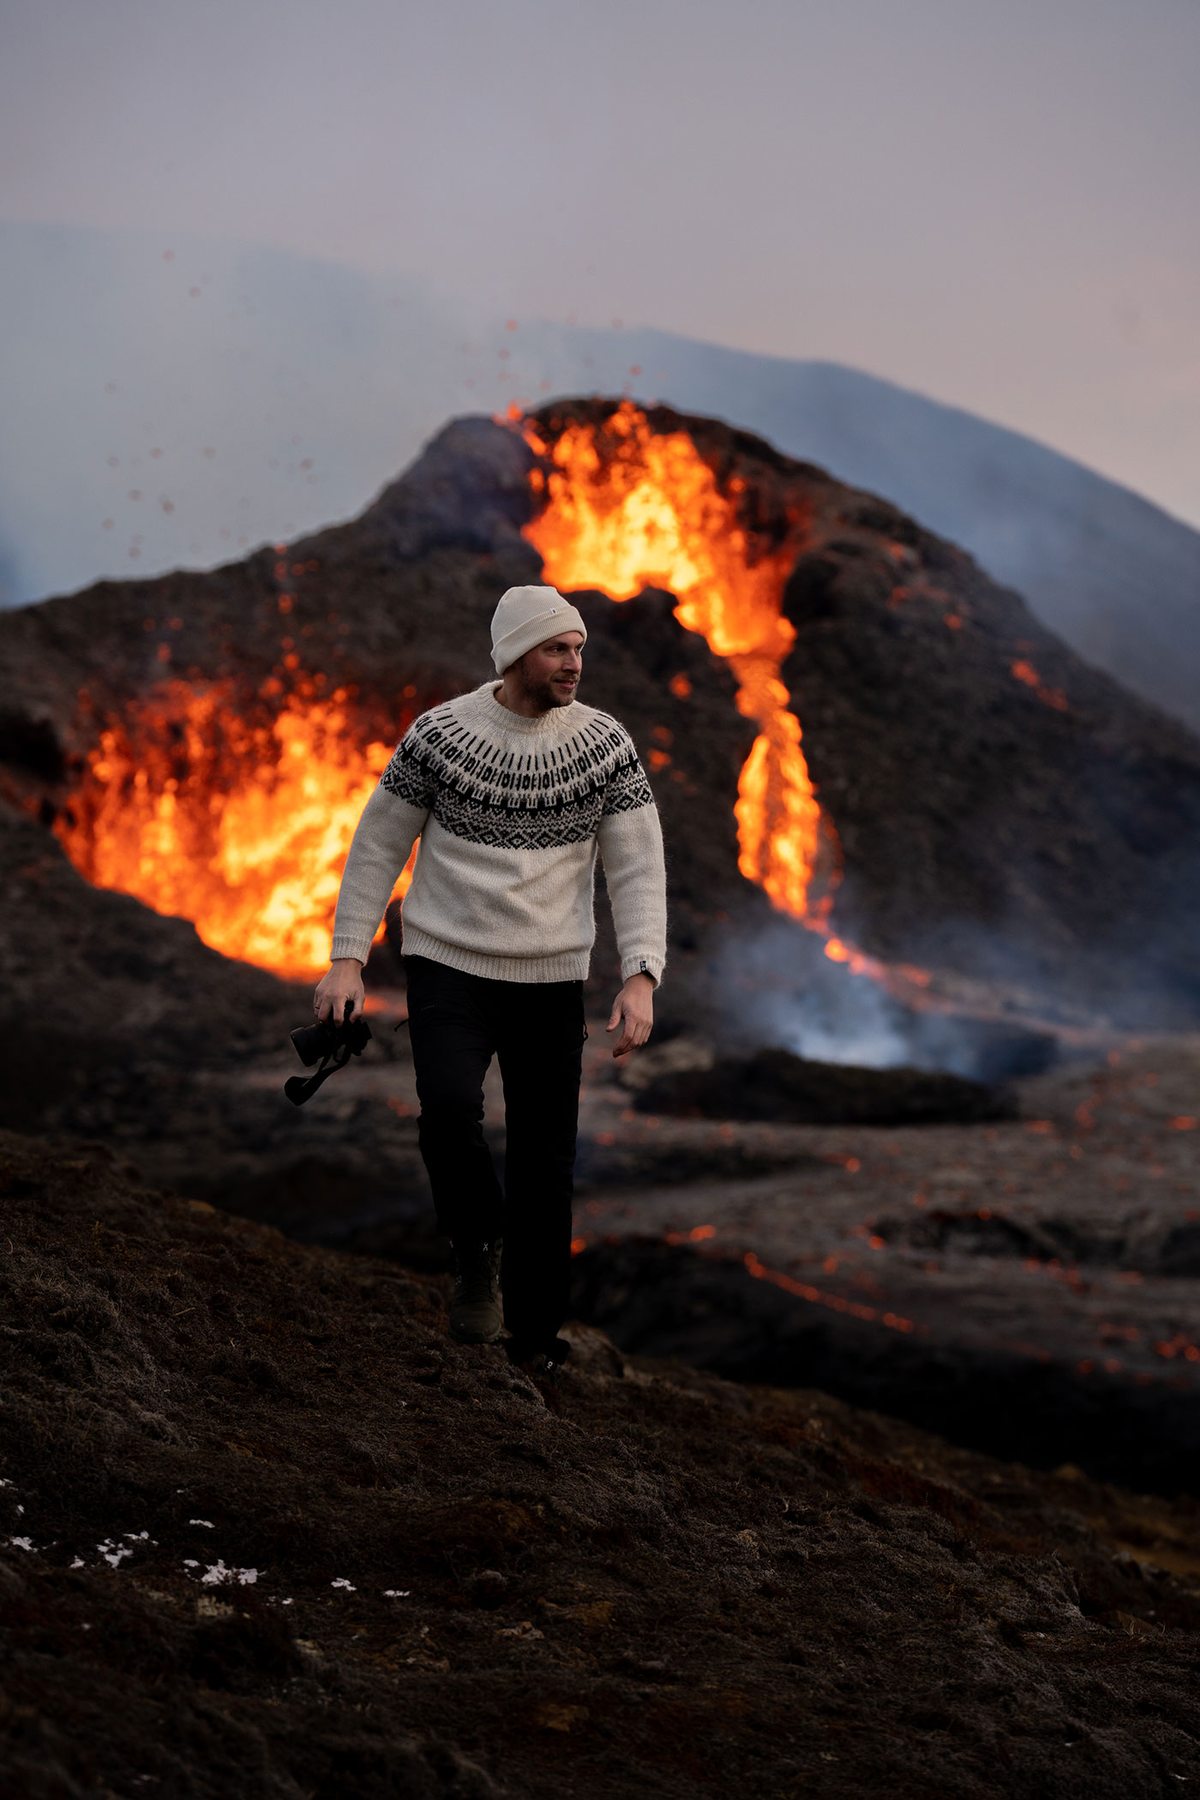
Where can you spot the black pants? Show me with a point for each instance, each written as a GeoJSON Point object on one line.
{"type": "Point", "coordinates": [457, 1022]}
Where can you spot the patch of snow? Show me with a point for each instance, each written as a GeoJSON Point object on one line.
{"type": "Point", "coordinates": [218, 1572]}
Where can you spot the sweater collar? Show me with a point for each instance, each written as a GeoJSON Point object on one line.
{"type": "Point", "coordinates": [500, 718]}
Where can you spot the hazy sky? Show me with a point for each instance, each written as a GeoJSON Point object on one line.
{"type": "Point", "coordinates": [992, 201]}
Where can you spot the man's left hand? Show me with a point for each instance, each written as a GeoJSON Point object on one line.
{"type": "Point", "coordinates": [635, 1005]}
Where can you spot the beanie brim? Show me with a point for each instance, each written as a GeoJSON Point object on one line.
{"type": "Point", "coordinates": [531, 632]}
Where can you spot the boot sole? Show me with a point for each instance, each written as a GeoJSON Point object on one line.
{"type": "Point", "coordinates": [465, 1335]}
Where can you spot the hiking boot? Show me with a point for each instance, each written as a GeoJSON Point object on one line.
{"type": "Point", "coordinates": [475, 1306]}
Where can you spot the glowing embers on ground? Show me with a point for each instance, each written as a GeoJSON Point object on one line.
{"type": "Point", "coordinates": [627, 508]}
{"type": "Point", "coordinates": [239, 820]}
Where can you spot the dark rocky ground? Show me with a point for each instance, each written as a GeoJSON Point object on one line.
{"type": "Point", "coordinates": [1027, 1285]}
{"type": "Point", "coordinates": [268, 1531]}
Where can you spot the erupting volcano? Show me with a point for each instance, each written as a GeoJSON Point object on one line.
{"type": "Point", "coordinates": [840, 712]}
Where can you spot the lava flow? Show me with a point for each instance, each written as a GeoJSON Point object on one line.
{"type": "Point", "coordinates": [628, 508]}
{"type": "Point", "coordinates": [240, 824]}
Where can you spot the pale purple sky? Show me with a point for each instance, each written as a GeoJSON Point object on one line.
{"type": "Point", "coordinates": [994, 202]}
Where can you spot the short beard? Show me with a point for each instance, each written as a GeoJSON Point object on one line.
{"type": "Point", "coordinates": [541, 694]}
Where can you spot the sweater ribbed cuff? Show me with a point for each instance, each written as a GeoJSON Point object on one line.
{"type": "Point", "coordinates": [643, 965]}
{"type": "Point", "coordinates": [351, 946]}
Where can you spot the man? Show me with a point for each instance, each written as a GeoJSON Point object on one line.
{"type": "Point", "coordinates": [513, 790]}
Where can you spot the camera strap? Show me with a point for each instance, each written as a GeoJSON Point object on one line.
{"type": "Point", "coordinates": [300, 1088]}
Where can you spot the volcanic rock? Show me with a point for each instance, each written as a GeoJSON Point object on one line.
{"type": "Point", "coordinates": [774, 1084]}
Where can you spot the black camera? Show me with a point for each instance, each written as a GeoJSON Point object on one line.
{"type": "Point", "coordinates": [315, 1042]}
{"type": "Point", "coordinates": [331, 1045]}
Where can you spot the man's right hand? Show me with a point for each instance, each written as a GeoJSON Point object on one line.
{"type": "Point", "coordinates": [342, 981]}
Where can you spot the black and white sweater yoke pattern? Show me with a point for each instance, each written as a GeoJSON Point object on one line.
{"type": "Point", "coordinates": [524, 799]}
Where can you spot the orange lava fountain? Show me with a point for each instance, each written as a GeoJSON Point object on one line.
{"type": "Point", "coordinates": [644, 510]}
{"type": "Point", "coordinates": [240, 826]}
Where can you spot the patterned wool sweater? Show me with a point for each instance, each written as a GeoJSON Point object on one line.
{"type": "Point", "coordinates": [511, 813]}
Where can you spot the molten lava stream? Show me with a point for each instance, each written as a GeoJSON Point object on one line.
{"type": "Point", "coordinates": [626, 508]}
{"type": "Point", "coordinates": [240, 826]}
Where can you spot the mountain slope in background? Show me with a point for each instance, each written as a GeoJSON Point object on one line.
{"type": "Point", "coordinates": [205, 396]}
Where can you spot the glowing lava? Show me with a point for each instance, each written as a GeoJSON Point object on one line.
{"type": "Point", "coordinates": [240, 826]}
{"type": "Point", "coordinates": [640, 509]}
{"type": "Point", "coordinates": [1025, 671]}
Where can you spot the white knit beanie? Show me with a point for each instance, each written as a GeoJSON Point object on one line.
{"type": "Point", "coordinates": [526, 616]}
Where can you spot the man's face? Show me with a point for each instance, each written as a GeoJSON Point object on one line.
{"type": "Point", "coordinates": [548, 675]}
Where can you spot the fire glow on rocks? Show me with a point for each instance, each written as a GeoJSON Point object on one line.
{"type": "Point", "coordinates": [643, 509]}
{"type": "Point", "coordinates": [240, 824]}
